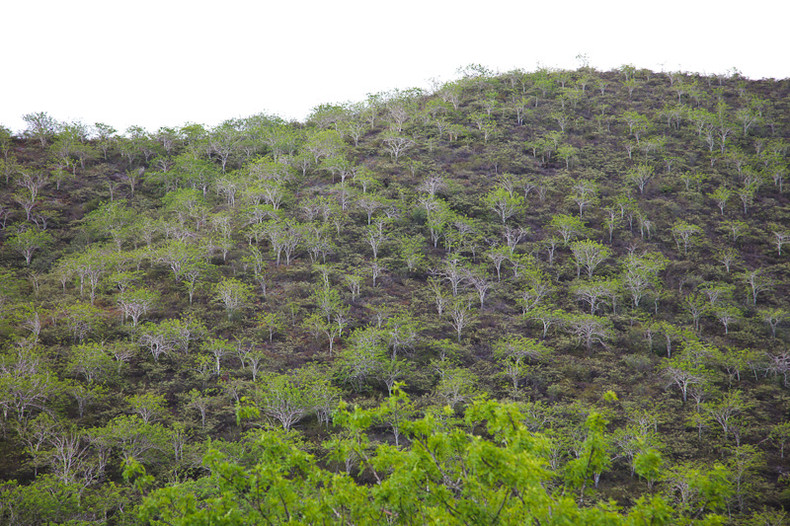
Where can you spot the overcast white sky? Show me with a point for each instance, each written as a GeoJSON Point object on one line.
{"type": "Point", "coordinates": [167, 62]}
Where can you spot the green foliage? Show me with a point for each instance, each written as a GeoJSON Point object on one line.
{"type": "Point", "coordinates": [503, 203]}
{"type": "Point", "coordinates": [453, 476]}
{"type": "Point", "coordinates": [588, 255]}
{"type": "Point", "coordinates": [569, 227]}
{"type": "Point", "coordinates": [593, 458]}
{"type": "Point", "coordinates": [92, 362]}
{"type": "Point", "coordinates": [649, 465]}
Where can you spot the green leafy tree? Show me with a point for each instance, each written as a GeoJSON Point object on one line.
{"type": "Point", "coordinates": [780, 436]}
{"type": "Point", "coordinates": [218, 348]}
{"type": "Point", "coordinates": [360, 362]}
{"type": "Point", "coordinates": [699, 491]}
{"type": "Point", "coordinates": [148, 406]}
{"type": "Point", "coordinates": [585, 193]}
{"type": "Point", "coordinates": [547, 316]}
{"type": "Point", "coordinates": [28, 241]}
{"type": "Point", "coordinates": [80, 319]}
{"type": "Point", "coordinates": [781, 238]}
{"type": "Point", "coordinates": [113, 220]}
{"type": "Point", "coordinates": [721, 195]}
{"type": "Point", "coordinates": [649, 465]}
{"type": "Point", "coordinates": [202, 403]}
{"type": "Point", "coordinates": [568, 153]}
{"type": "Point", "coordinates": [136, 303]}
{"type": "Point", "coordinates": [685, 374]}
{"type": "Point", "coordinates": [192, 271]}
{"type": "Point", "coordinates": [640, 175]}
{"type": "Point", "coordinates": [589, 254]}
{"type": "Point", "coordinates": [638, 124]}
{"type": "Point", "coordinates": [286, 399]}
{"type": "Point", "coordinates": [411, 249]}
{"type": "Point", "coordinates": [167, 337]}
{"type": "Point", "coordinates": [569, 227]}
{"type": "Point", "coordinates": [503, 203]}
{"type": "Point", "coordinates": [284, 236]}
{"type": "Point", "coordinates": [596, 293]}
{"type": "Point", "coordinates": [132, 438]}
{"type": "Point", "coordinates": [456, 385]}
{"type": "Point", "coordinates": [461, 315]}
{"type": "Point", "coordinates": [727, 315]}
{"type": "Point", "coordinates": [593, 458]}
{"type": "Point", "coordinates": [684, 232]}
{"type": "Point", "coordinates": [641, 274]}
{"type": "Point", "coordinates": [48, 499]}
{"type": "Point", "coordinates": [269, 322]}
{"type": "Point", "coordinates": [725, 411]}
{"type": "Point", "coordinates": [233, 294]}
{"type": "Point", "coordinates": [514, 351]}
{"type": "Point", "coordinates": [177, 255]}
{"type": "Point", "coordinates": [728, 257]}
{"type": "Point", "coordinates": [401, 333]}
{"type": "Point", "coordinates": [92, 362]}
{"type": "Point", "coordinates": [744, 462]}
{"type": "Point", "coordinates": [455, 477]}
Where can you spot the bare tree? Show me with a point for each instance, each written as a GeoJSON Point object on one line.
{"type": "Point", "coordinates": [757, 282]}
{"type": "Point", "coordinates": [481, 284]}
{"type": "Point", "coordinates": [374, 235]}
{"type": "Point", "coordinates": [397, 145]}
{"type": "Point", "coordinates": [684, 375]}
{"type": "Point", "coordinates": [781, 239]}
{"type": "Point", "coordinates": [589, 329]}
{"type": "Point", "coordinates": [432, 185]}
{"type": "Point", "coordinates": [461, 315]}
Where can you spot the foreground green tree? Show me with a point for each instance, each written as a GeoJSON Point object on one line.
{"type": "Point", "coordinates": [446, 475]}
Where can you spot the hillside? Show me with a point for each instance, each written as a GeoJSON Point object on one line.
{"type": "Point", "coordinates": [521, 297]}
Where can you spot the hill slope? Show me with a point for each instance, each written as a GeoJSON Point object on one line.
{"type": "Point", "coordinates": [608, 250]}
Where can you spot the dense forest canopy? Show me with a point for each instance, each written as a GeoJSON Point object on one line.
{"type": "Point", "coordinates": [545, 297]}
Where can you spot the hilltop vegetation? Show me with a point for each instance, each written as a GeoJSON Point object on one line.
{"type": "Point", "coordinates": [536, 297]}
